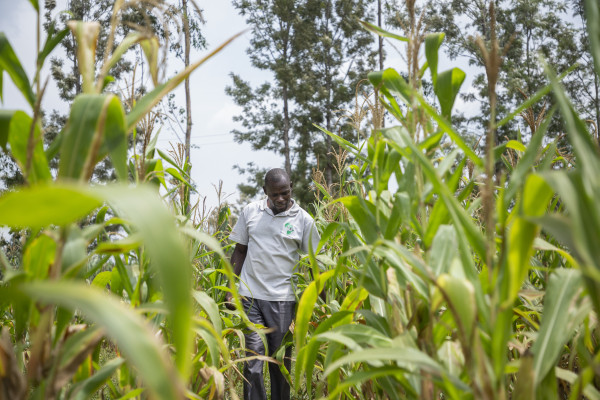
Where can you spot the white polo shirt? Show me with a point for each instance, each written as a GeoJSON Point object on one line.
{"type": "Point", "coordinates": [274, 243]}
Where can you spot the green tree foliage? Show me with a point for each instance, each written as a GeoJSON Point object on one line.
{"type": "Point", "coordinates": [526, 29]}
{"type": "Point", "coordinates": [317, 55]}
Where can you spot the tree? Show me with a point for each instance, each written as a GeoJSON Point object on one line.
{"type": "Point", "coordinates": [526, 28]}
{"type": "Point", "coordinates": [340, 55]}
{"type": "Point", "coordinates": [317, 53]}
{"type": "Point", "coordinates": [278, 42]}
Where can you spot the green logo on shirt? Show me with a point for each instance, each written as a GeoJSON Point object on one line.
{"type": "Point", "coordinates": [289, 228]}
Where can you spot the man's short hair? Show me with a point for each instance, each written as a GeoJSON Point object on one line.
{"type": "Point", "coordinates": [275, 175]}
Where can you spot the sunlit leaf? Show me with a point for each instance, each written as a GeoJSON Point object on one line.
{"type": "Point", "coordinates": [40, 206]}
{"type": "Point", "coordinates": [557, 320]}
{"type": "Point", "coordinates": [134, 337]}
{"type": "Point", "coordinates": [86, 34]}
{"type": "Point", "coordinates": [27, 148]}
{"type": "Point", "coordinates": [11, 64]}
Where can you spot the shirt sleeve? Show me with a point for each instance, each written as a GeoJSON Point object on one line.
{"type": "Point", "coordinates": [239, 234]}
{"type": "Point", "coordinates": [310, 234]}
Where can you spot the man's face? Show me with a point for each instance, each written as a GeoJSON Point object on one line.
{"type": "Point", "coordinates": [279, 194]}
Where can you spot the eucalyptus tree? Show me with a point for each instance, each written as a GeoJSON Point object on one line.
{"type": "Point", "coordinates": [316, 52]}
{"type": "Point", "coordinates": [341, 54]}
{"type": "Point", "coordinates": [278, 44]}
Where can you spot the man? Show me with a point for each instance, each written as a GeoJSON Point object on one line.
{"type": "Point", "coordinates": [269, 234]}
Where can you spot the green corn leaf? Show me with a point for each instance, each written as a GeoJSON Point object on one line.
{"type": "Point", "coordinates": [409, 269]}
{"type": "Point", "coordinates": [210, 307]}
{"type": "Point", "coordinates": [533, 99]}
{"type": "Point", "coordinates": [363, 216]}
{"type": "Point", "coordinates": [592, 14]}
{"type": "Point", "coordinates": [51, 42]}
{"type": "Point", "coordinates": [516, 145]}
{"type": "Point", "coordinates": [102, 279]}
{"type": "Point", "coordinates": [406, 357]}
{"type": "Point", "coordinates": [131, 39]}
{"type": "Point", "coordinates": [211, 343]}
{"type": "Point", "coordinates": [589, 391]}
{"type": "Point", "coordinates": [10, 63]}
{"type": "Point", "coordinates": [96, 124]}
{"type": "Point", "coordinates": [398, 139]}
{"type": "Point", "coordinates": [400, 207]}
{"type": "Point", "coordinates": [151, 48]}
{"type": "Point", "coordinates": [378, 31]}
{"type": "Point", "coordinates": [144, 208]}
{"type": "Point", "coordinates": [583, 216]}
{"type": "Point", "coordinates": [168, 159]}
{"type": "Point", "coordinates": [116, 283]}
{"type": "Point", "coordinates": [124, 245]}
{"type": "Point", "coordinates": [35, 5]}
{"type": "Point", "coordinates": [73, 353]}
{"type": "Point", "coordinates": [558, 321]}
{"type": "Point", "coordinates": [439, 215]}
{"type": "Point", "coordinates": [353, 149]}
{"type": "Point", "coordinates": [525, 386]}
{"type": "Point", "coordinates": [443, 250]}
{"type": "Point", "coordinates": [447, 127]}
{"type": "Point", "coordinates": [303, 315]}
{"type": "Point", "coordinates": [307, 355]}
{"type": "Point", "coordinates": [86, 388]}
{"type": "Point", "coordinates": [585, 149]}
{"type": "Point", "coordinates": [362, 376]}
{"type": "Point", "coordinates": [18, 138]}
{"type": "Point", "coordinates": [134, 337]}
{"type": "Point", "coordinates": [433, 41]}
{"type": "Point", "coordinates": [460, 293]}
{"type": "Point", "coordinates": [361, 335]}
{"type": "Point", "coordinates": [175, 174]}
{"type": "Point", "coordinates": [395, 83]}
{"type": "Point", "coordinates": [525, 164]}
{"type": "Point", "coordinates": [125, 275]}
{"type": "Point", "coordinates": [541, 244]}
{"type": "Point", "coordinates": [86, 34]}
{"type": "Point", "coordinates": [147, 103]}
{"type": "Point", "coordinates": [38, 257]}
{"type": "Point", "coordinates": [447, 87]}
{"type": "Point", "coordinates": [536, 196]}
{"type": "Point", "coordinates": [5, 117]}
{"type": "Point", "coordinates": [40, 206]}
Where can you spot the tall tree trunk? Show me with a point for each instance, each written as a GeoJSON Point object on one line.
{"type": "Point", "coordinates": [286, 131]}
{"type": "Point", "coordinates": [188, 104]}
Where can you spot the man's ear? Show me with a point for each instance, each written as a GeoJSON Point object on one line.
{"type": "Point", "coordinates": [265, 189]}
{"type": "Point", "coordinates": [291, 185]}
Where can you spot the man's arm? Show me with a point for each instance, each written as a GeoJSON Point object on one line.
{"type": "Point", "coordinates": [237, 261]}
{"type": "Point", "coordinates": [238, 257]}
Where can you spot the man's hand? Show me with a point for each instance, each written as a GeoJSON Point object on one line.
{"type": "Point", "coordinates": [229, 302]}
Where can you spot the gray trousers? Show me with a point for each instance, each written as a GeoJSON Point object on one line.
{"type": "Point", "coordinates": [277, 315]}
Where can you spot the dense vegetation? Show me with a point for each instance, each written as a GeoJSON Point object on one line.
{"type": "Point", "coordinates": [447, 274]}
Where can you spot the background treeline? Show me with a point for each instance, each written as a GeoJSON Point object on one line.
{"type": "Point", "coordinates": [318, 57]}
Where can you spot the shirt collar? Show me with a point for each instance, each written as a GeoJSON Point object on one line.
{"type": "Point", "coordinates": [291, 212]}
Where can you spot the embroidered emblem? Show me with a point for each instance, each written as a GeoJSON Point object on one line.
{"type": "Point", "coordinates": [289, 228]}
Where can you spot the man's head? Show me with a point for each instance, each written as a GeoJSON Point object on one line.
{"type": "Point", "coordinates": [278, 189]}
